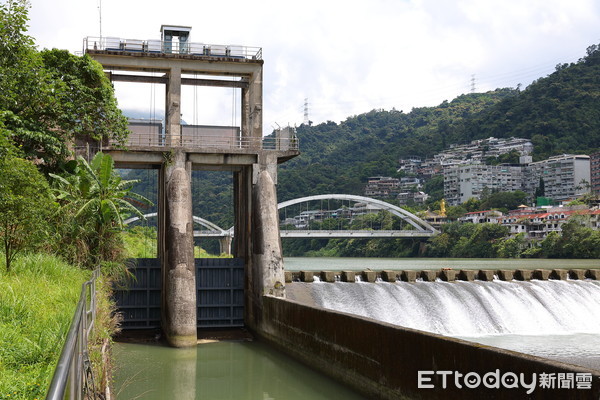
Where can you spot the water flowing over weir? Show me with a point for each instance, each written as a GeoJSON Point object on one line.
{"type": "Point", "coordinates": [471, 309]}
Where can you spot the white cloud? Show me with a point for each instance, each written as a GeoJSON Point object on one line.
{"type": "Point", "coordinates": [351, 56]}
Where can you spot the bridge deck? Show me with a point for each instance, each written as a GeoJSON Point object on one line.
{"type": "Point", "coordinates": [354, 233]}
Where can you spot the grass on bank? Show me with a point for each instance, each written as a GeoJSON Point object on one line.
{"type": "Point", "coordinates": [37, 300]}
{"type": "Point", "coordinates": [140, 242]}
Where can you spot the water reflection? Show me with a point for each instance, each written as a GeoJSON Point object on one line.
{"type": "Point", "coordinates": [224, 370]}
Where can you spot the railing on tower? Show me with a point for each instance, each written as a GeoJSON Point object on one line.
{"type": "Point", "coordinates": [171, 47]}
{"type": "Point", "coordinates": [150, 134]}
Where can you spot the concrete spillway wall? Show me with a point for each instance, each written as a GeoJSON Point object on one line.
{"type": "Point", "coordinates": [385, 361]}
{"type": "Point", "coordinates": [448, 275]}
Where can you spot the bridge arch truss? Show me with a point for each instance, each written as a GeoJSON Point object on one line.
{"type": "Point", "coordinates": [422, 228]}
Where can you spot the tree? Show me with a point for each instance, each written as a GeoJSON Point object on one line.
{"type": "Point", "coordinates": [504, 200]}
{"type": "Point", "coordinates": [25, 203]}
{"type": "Point", "coordinates": [97, 200]}
{"type": "Point", "coordinates": [49, 99]}
{"type": "Point", "coordinates": [540, 190]}
{"type": "Point", "coordinates": [88, 108]}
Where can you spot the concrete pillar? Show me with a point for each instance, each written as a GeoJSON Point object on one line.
{"type": "Point", "coordinates": [266, 274]}
{"type": "Point", "coordinates": [348, 276]}
{"type": "Point", "coordinates": [389, 276]}
{"type": "Point", "coordinates": [327, 276]}
{"type": "Point", "coordinates": [225, 245]}
{"type": "Point", "coordinates": [307, 276]}
{"type": "Point", "coordinates": [256, 103]}
{"type": "Point", "coordinates": [242, 193]}
{"type": "Point", "coordinates": [466, 275]}
{"type": "Point", "coordinates": [173, 108]}
{"type": "Point", "coordinates": [368, 276]}
{"type": "Point", "coordinates": [252, 120]}
{"type": "Point", "coordinates": [428, 275]}
{"type": "Point", "coordinates": [245, 118]}
{"type": "Point", "coordinates": [409, 275]}
{"type": "Point", "coordinates": [179, 271]}
{"type": "Point", "coordinates": [448, 275]}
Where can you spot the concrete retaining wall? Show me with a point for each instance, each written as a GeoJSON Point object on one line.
{"type": "Point", "coordinates": [383, 361]}
{"type": "Point", "coordinates": [443, 274]}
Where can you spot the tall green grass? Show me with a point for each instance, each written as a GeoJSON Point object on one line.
{"type": "Point", "coordinates": [140, 242]}
{"type": "Point", "coordinates": [37, 301]}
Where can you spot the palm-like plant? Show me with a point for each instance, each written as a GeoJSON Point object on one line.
{"type": "Point", "coordinates": [98, 200]}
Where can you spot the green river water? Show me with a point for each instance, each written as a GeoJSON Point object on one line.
{"type": "Point", "coordinates": [236, 370]}
{"type": "Point", "coordinates": [239, 370]}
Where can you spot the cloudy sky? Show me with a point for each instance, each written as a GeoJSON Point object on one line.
{"type": "Point", "coordinates": [346, 57]}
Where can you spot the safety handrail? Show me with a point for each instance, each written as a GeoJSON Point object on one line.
{"type": "Point", "coordinates": [73, 370]}
{"type": "Point", "coordinates": [211, 141]}
{"type": "Point", "coordinates": [170, 47]}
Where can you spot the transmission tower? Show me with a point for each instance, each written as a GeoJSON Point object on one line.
{"type": "Point", "coordinates": [473, 83]}
{"type": "Point", "coordinates": [306, 121]}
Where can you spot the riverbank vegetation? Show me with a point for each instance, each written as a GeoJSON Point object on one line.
{"type": "Point", "coordinates": [457, 240]}
{"type": "Point", "coordinates": [60, 217]}
{"type": "Point", "coordinates": [37, 301]}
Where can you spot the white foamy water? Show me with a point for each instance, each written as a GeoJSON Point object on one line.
{"type": "Point", "coordinates": [555, 319]}
{"type": "Point", "coordinates": [472, 309]}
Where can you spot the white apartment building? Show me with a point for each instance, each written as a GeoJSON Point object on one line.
{"type": "Point", "coordinates": [483, 148]}
{"type": "Point", "coordinates": [565, 177]}
{"type": "Point", "coordinates": [462, 182]}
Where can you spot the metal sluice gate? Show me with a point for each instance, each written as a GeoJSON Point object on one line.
{"type": "Point", "coordinates": [219, 294]}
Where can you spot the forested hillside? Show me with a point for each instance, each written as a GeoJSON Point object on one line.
{"type": "Point", "coordinates": [337, 158]}
{"type": "Point", "coordinates": [559, 113]}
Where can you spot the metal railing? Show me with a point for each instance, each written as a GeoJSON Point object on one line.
{"type": "Point", "coordinates": [73, 377]}
{"type": "Point", "coordinates": [210, 142]}
{"type": "Point", "coordinates": [171, 47]}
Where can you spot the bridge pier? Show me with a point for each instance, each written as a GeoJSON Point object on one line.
{"type": "Point", "coordinates": [225, 245]}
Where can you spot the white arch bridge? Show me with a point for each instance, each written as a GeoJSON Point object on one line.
{"type": "Point", "coordinates": [420, 228]}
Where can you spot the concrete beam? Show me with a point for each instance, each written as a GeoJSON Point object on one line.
{"type": "Point", "coordinates": [137, 78]}
{"type": "Point", "coordinates": [184, 81]}
{"type": "Point", "coordinates": [214, 83]}
{"type": "Point", "coordinates": [151, 63]}
{"type": "Point", "coordinates": [224, 159]}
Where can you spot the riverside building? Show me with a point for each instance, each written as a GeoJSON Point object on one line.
{"type": "Point", "coordinates": [565, 177]}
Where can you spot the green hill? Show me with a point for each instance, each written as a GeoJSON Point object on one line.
{"type": "Point", "coordinates": [559, 113]}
